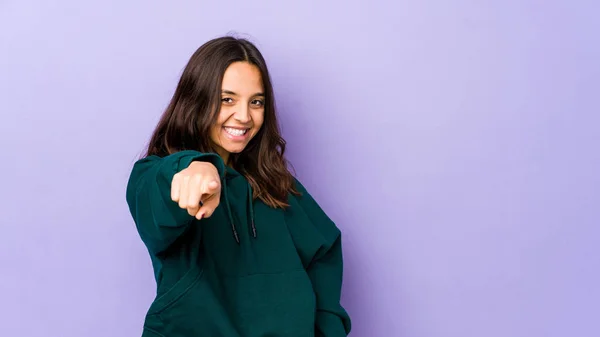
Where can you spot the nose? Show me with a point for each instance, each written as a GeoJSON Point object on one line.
{"type": "Point", "coordinates": [242, 114]}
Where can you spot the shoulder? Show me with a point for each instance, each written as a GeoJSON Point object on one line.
{"type": "Point", "coordinates": [303, 196]}
{"type": "Point", "coordinates": [298, 185]}
{"type": "Point", "coordinates": [305, 204]}
{"type": "Point", "coordinates": [177, 161]}
{"type": "Point", "coordinates": [145, 162]}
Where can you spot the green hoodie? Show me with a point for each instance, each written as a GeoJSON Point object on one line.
{"type": "Point", "coordinates": [247, 271]}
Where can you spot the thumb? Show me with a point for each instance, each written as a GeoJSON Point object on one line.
{"type": "Point", "coordinates": [206, 210]}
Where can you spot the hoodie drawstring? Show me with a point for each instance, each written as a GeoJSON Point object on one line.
{"type": "Point", "coordinates": [251, 207]}
{"type": "Point", "coordinates": [230, 214]}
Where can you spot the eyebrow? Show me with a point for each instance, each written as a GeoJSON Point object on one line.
{"type": "Point", "coordinates": [229, 92]}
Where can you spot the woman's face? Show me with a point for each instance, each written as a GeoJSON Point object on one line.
{"type": "Point", "coordinates": [242, 109]}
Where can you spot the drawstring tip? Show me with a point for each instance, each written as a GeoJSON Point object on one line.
{"type": "Point", "coordinates": [253, 229]}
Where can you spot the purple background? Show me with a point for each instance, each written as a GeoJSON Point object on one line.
{"type": "Point", "coordinates": [454, 142]}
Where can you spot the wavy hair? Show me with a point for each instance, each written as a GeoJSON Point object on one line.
{"type": "Point", "coordinates": [194, 109]}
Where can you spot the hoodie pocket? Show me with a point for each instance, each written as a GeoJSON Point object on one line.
{"type": "Point", "coordinates": [176, 292]}
{"type": "Point", "coordinates": [206, 304]}
{"type": "Point", "coordinates": [198, 307]}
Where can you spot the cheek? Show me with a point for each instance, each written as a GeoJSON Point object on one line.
{"type": "Point", "coordinates": [223, 115]}
{"type": "Point", "coordinates": [214, 134]}
{"type": "Point", "coordinates": [215, 130]}
{"type": "Point", "coordinates": [258, 118]}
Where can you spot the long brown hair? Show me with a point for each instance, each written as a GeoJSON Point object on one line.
{"type": "Point", "coordinates": [195, 106]}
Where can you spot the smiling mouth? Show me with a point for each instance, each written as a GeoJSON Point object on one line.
{"type": "Point", "coordinates": [236, 132]}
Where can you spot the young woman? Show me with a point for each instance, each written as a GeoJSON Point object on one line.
{"type": "Point", "coordinates": [239, 247]}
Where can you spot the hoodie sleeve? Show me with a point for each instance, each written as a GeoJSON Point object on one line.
{"type": "Point", "coordinates": [325, 271]}
{"type": "Point", "coordinates": [159, 220]}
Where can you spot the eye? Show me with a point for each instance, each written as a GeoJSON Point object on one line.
{"type": "Point", "coordinates": [227, 100]}
{"type": "Point", "coordinates": [258, 103]}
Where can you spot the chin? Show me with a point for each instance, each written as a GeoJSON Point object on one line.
{"type": "Point", "coordinates": [234, 149]}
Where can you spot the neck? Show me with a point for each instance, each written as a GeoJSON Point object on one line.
{"type": "Point", "coordinates": [226, 157]}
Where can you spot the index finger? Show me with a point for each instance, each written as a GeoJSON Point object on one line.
{"type": "Point", "coordinates": [209, 188]}
{"type": "Point", "coordinates": [212, 185]}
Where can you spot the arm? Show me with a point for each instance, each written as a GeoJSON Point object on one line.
{"type": "Point", "coordinates": [160, 220]}
{"type": "Point", "coordinates": [326, 271]}
{"type": "Point", "coordinates": [326, 275]}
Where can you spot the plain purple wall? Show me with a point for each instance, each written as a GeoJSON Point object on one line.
{"type": "Point", "coordinates": [455, 143]}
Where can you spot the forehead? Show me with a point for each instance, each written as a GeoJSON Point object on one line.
{"type": "Point", "coordinates": [242, 78]}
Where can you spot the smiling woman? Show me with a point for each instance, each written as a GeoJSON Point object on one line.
{"type": "Point", "coordinates": [242, 109]}
{"type": "Point", "coordinates": [226, 83]}
{"type": "Point", "coordinates": [239, 246]}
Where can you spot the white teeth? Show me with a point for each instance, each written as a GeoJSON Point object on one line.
{"type": "Point", "coordinates": [235, 132]}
